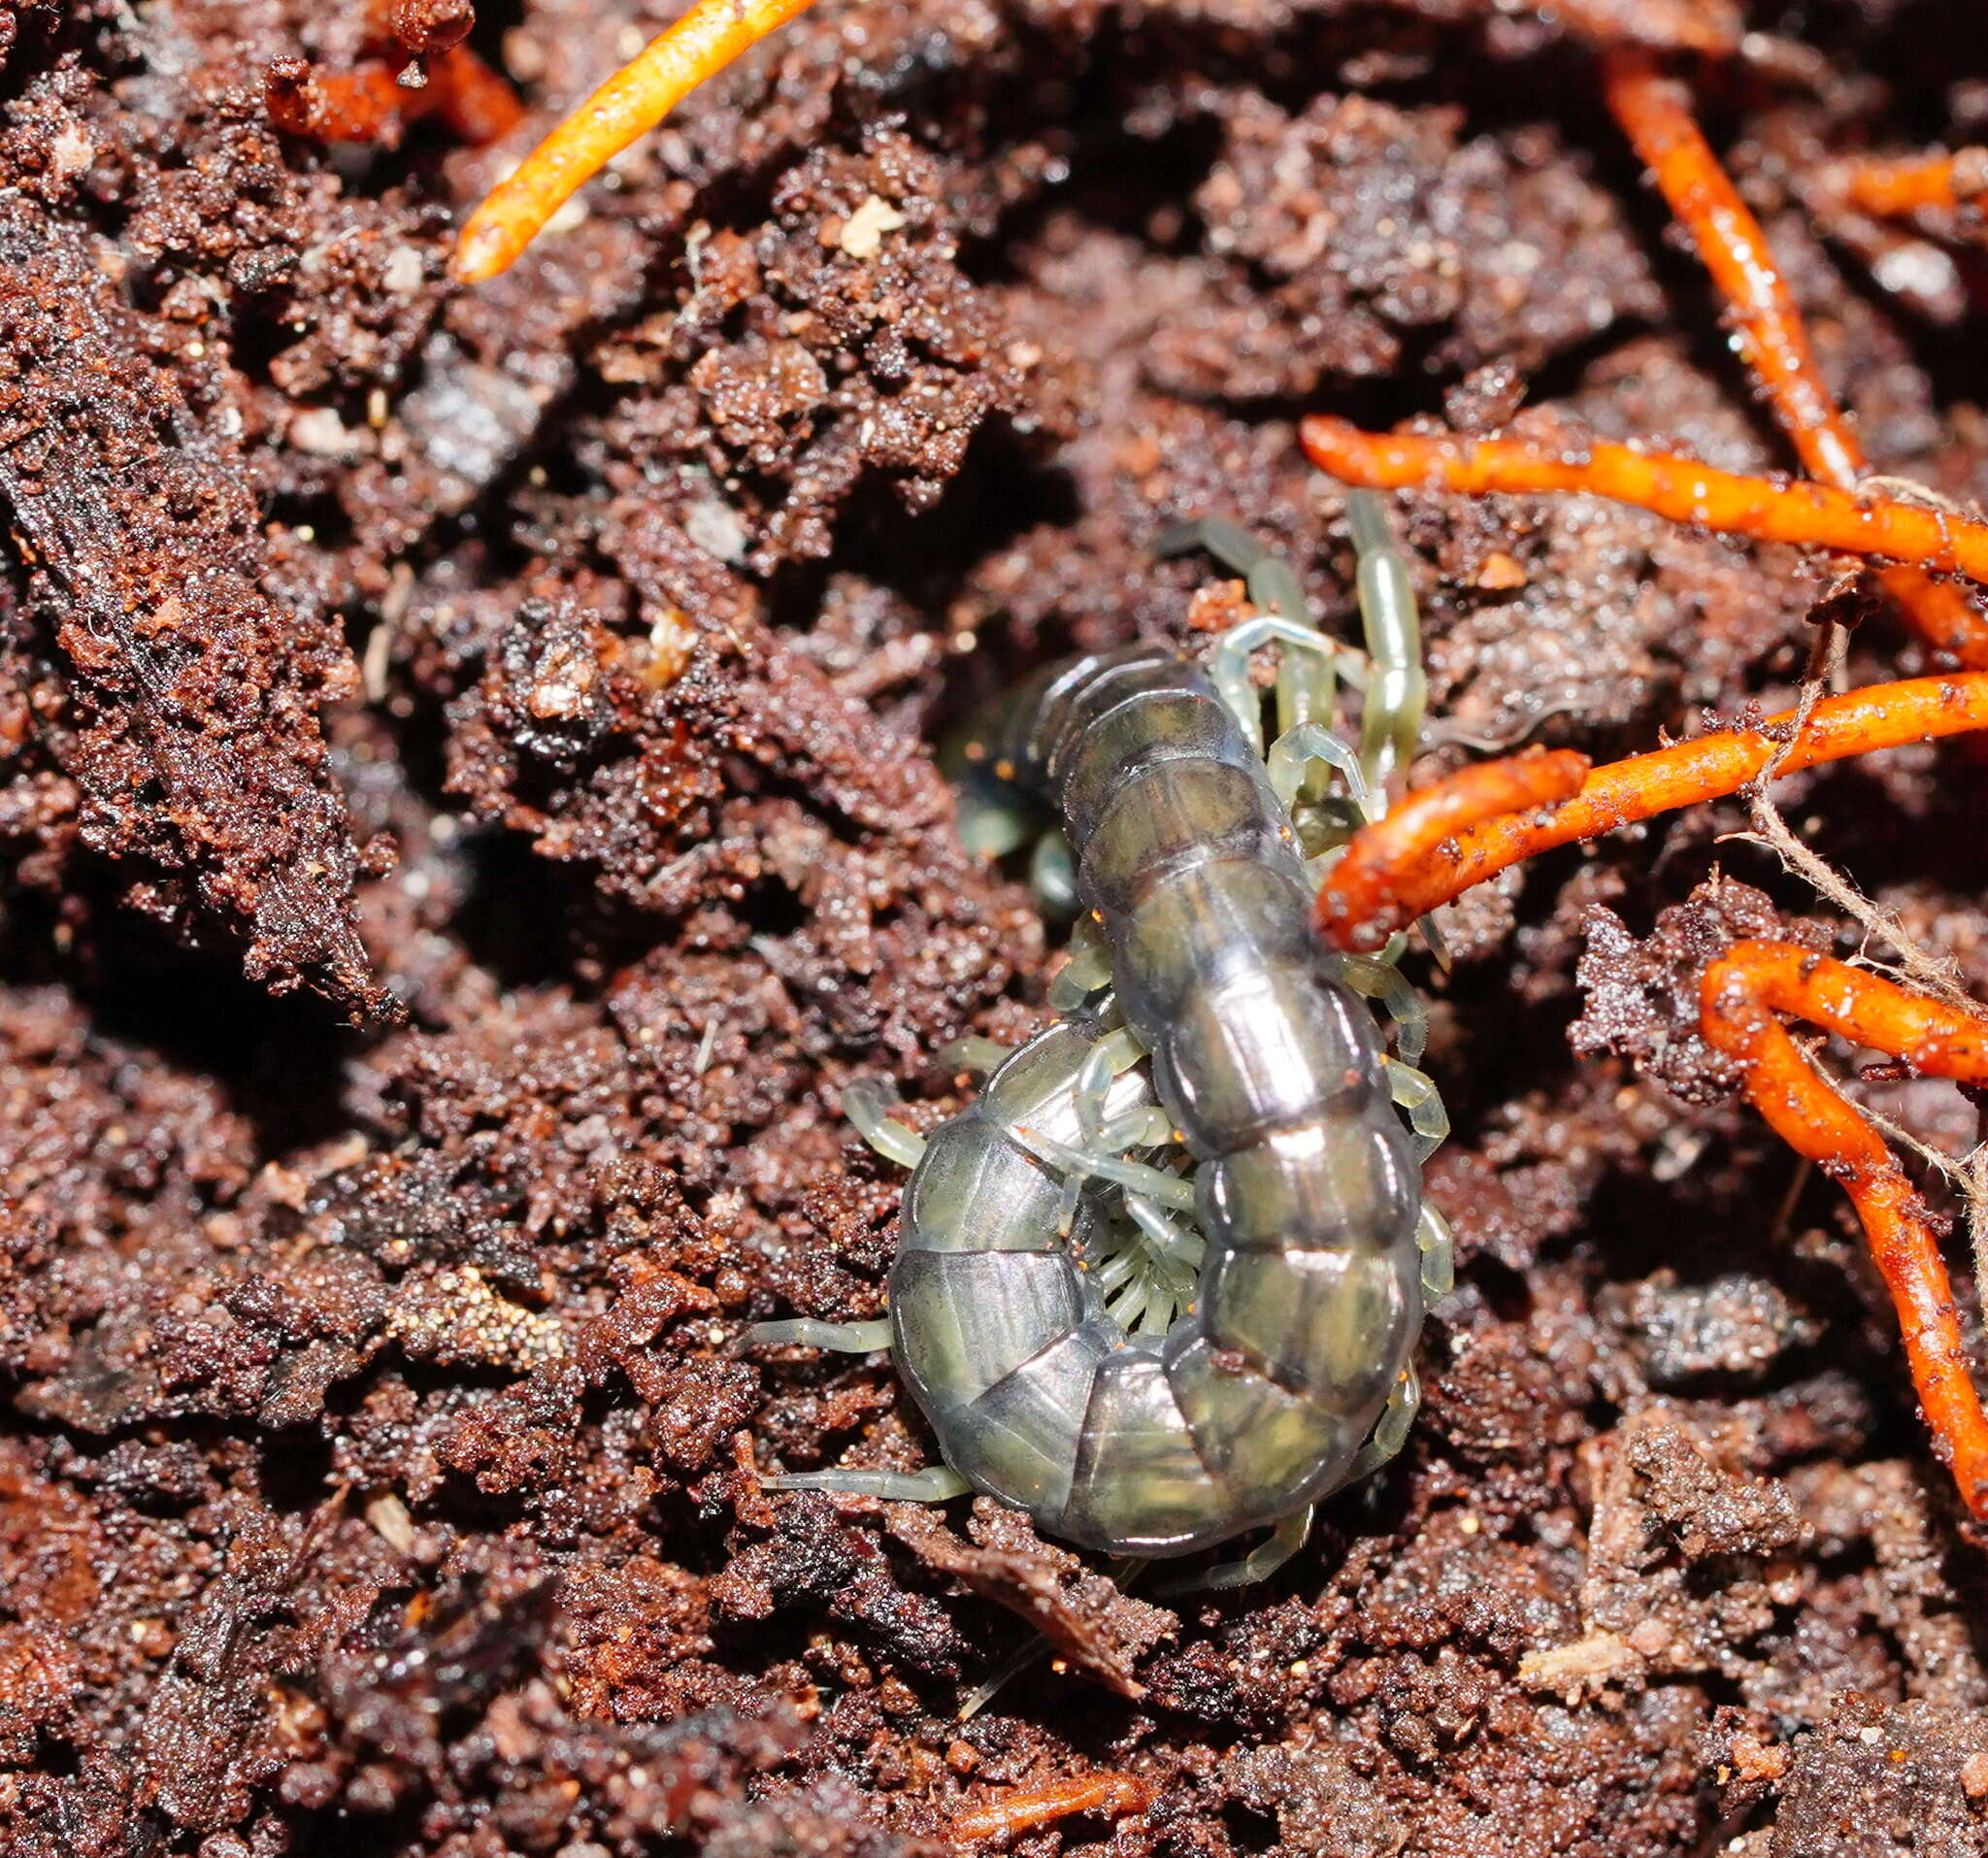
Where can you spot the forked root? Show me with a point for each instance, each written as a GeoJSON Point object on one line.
{"type": "Point", "coordinates": [1470, 826]}
{"type": "Point", "coordinates": [1741, 997]}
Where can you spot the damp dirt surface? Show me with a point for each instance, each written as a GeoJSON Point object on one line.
{"type": "Point", "coordinates": [468, 800]}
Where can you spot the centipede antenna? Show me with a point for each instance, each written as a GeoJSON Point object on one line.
{"type": "Point", "coordinates": [1397, 689]}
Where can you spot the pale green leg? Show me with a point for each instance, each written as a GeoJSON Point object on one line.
{"type": "Point", "coordinates": [1304, 682]}
{"type": "Point", "coordinates": [1052, 874]}
{"type": "Point", "coordinates": [992, 820]}
{"type": "Point", "coordinates": [868, 1106]}
{"type": "Point", "coordinates": [1301, 764]}
{"type": "Point", "coordinates": [1293, 754]}
{"type": "Point", "coordinates": [1259, 1564]}
{"type": "Point", "coordinates": [1150, 1302]}
{"type": "Point", "coordinates": [809, 1332]}
{"type": "Point", "coordinates": [1229, 667]}
{"type": "Point", "coordinates": [1272, 585]}
{"type": "Point", "coordinates": [1415, 1092]}
{"type": "Point", "coordinates": [1088, 969]}
{"type": "Point", "coordinates": [1003, 1674]}
{"type": "Point", "coordinates": [1146, 1127]}
{"type": "Point", "coordinates": [1116, 1054]}
{"type": "Point", "coordinates": [971, 1052]}
{"type": "Point", "coordinates": [1378, 979]}
{"type": "Point", "coordinates": [1304, 690]}
{"type": "Point", "coordinates": [935, 1483]}
{"type": "Point", "coordinates": [1439, 1253]}
{"type": "Point", "coordinates": [1180, 1246]}
{"type": "Point", "coordinates": [1155, 1184]}
{"type": "Point", "coordinates": [1391, 1428]}
{"type": "Point", "coordinates": [1161, 1282]}
{"type": "Point", "coordinates": [1432, 938]}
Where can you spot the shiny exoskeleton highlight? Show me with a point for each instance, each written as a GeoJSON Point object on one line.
{"type": "Point", "coordinates": [1262, 1395]}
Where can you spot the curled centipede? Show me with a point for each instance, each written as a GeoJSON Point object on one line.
{"type": "Point", "coordinates": [1151, 1360]}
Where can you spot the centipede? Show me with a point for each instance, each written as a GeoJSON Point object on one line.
{"type": "Point", "coordinates": [1151, 1361]}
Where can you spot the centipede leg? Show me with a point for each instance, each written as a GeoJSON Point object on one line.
{"type": "Point", "coordinates": [1305, 682]}
{"type": "Point", "coordinates": [1415, 1091]}
{"type": "Point", "coordinates": [868, 1106]}
{"type": "Point", "coordinates": [1301, 764]}
{"type": "Point", "coordinates": [1113, 1055]}
{"type": "Point", "coordinates": [1087, 970]}
{"type": "Point", "coordinates": [809, 1332]}
{"type": "Point", "coordinates": [1391, 1430]}
{"type": "Point", "coordinates": [1328, 659]}
{"type": "Point", "coordinates": [989, 820]}
{"type": "Point", "coordinates": [1180, 1245]}
{"type": "Point", "coordinates": [1136, 1176]}
{"type": "Point", "coordinates": [1439, 1253]}
{"type": "Point", "coordinates": [1259, 1564]}
{"type": "Point", "coordinates": [1052, 876]}
{"type": "Point", "coordinates": [1378, 978]}
{"type": "Point", "coordinates": [935, 1483]}
{"type": "Point", "coordinates": [973, 1053]}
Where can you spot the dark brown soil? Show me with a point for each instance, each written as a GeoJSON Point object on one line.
{"type": "Point", "coordinates": [469, 804]}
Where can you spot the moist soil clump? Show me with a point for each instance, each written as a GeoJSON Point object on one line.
{"type": "Point", "coordinates": [470, 803]}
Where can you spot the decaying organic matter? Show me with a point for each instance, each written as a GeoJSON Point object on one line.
{"type": "Point", "coordinates": [469, 804]}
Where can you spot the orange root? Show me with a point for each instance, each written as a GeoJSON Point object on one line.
{"type": "Point", "coordinates": [1364, 900]}
{"type": "Point", "coordinates": [627, 105]}
{"type": "Point", "coordinates": [1740, 997]}
{"type": "Point", "coordinates": [1813, 516]}
{"type": "Point", "coordinates": [1655, 113]}
{"type": "Point", "coordinates": [1891, 189]}
{"type": "Point", "coordinates": [1026, 1808]}
{"type": "Point", "coordinates": [370, 104]}
{"type": "Point", "coordinates": [1391, 875]}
